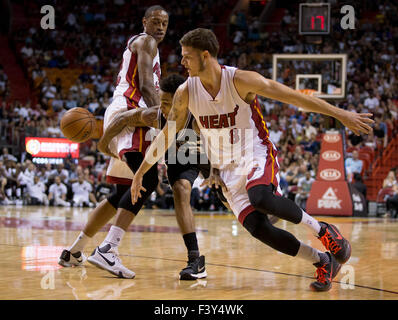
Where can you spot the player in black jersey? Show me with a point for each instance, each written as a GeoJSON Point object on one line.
{"type": "Point", "coordinates": [181, 170]}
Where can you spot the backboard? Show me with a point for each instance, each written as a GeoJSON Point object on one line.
{"type": "Point", "coordinates": [323, 74]}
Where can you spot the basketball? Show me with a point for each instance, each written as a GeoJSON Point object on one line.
{"type": "Point", "coordinates": [78, 124]}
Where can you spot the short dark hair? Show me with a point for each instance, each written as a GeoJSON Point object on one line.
{"type": "Point", "coordinates": [201, 39]}
{"type": "Point", "coordinates": [151, 9]}
{"type": "Point", "coordinates": [171, 83]}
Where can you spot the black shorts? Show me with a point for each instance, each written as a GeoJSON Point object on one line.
{"type": "Point", "coordinates": [179, 171]}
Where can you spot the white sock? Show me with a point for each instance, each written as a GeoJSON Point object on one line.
{"type": "Point", "coordinates": [114, 237]}
{"type": "Point", "coordinates": [311, 223]}
{"type": "Point", "coordinates": [311, 254]}
{"type": "Point", "coordinates": [79, 243]}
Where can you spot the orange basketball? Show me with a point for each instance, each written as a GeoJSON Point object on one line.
{"type": "Point", "coordinates": [78, 124]}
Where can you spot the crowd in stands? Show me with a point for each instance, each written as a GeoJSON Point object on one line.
{"type": "Point", "coordinates": [91, 40]}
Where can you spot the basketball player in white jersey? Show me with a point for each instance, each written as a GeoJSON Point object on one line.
{"type": "Point", "coordinates": [224, 103]}
{"type": "Point", "coordinates": [137, 87]}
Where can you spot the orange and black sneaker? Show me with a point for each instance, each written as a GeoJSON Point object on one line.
{"type": "Point", "coordinates": [325, 273]}
{"type": "Point", "coordinates": [333, 241]}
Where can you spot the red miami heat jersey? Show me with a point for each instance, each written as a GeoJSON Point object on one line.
{"type": "Point", "coordinates": [128, 80]}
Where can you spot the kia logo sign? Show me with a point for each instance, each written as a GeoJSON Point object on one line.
{"type": "Point", "coordinates": [331, 138]}
{"type": "Point", "coordinates": [331, 155]}
{"type": "Point", "coordinates": [330, 174]}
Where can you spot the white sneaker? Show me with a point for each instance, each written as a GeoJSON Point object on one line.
{"type": "Point", "coordinates": [67, 259]}
{"type": "Point", "coordinates": [107, 258]}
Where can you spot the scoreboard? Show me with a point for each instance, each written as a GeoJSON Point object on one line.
{"type": "Point", "coordinates": [314, 18]}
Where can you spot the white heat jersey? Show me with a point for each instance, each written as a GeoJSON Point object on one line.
{"type": "Point", "coordinates": [236, 140]}
{"type": "Point", "coordinates": [232, 130]}
{"type": "Point", "coordinates": [127, 84]}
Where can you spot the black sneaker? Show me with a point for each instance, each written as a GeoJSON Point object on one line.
{"type": "Point", "coordinates": [334, 242]}
{"type": "Point", "coordinates": [325, 273]}
{"type": "Point", "coordinates": [194, 270]}
{"type": "Point", "coordinates": [68, 259]}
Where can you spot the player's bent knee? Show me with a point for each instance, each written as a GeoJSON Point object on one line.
{"type": "Point", "coordinates": [256, 224]}
{"type": "Point", "coordinates": [116, 196]}
{"type": "Point", "coordinates": [182, 190]}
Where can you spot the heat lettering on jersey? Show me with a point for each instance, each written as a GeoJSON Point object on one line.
{"type": "Point", "coordinates": [218, 121]}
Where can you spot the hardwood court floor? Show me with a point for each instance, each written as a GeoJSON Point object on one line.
{"type": "Point", "coordinates": [238, 266]}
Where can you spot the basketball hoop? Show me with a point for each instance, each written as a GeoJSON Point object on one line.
{"type": "Point", "coordinates": [307, 92]}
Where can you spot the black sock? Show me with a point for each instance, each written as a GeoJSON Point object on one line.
{"type": "Point", "coordinates": [192, 244]}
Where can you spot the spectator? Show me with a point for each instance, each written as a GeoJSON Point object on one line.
{"type": "Point", "coordinates": [7, 156]}
{"type": "Point", "coordinates": [392, 202]}
{"type": "Point", "coordinates": [37, 192]}
{"type": "Point", "coordinates": [70, 102]}
{"type": "Point", "coordinates": [275, 133]}
{"type": "Point", "coordinates": [61, 172]}
{"type": "Point", "coordinates": [57, 193]}
{"type": "Point", "coordinates": [82, 193]}
{"type": "Point", "coordinates": [353, 165]}
{"type": "Point", "coordinates": [310, 130]}
{"type": "Point", "coordinates": [303, 190]}
{"type": "Point", "coordinates": [104, 189]}
{"type": "Point", "coordinates": [48, 90]}
{"type": "Point", "coordinates": [390, 180]}
{"type": "Point", "coordinates": [57, 103]}
{"type": "Point", "coordinates": [371, 102]}
{"type": "Point", "coordinates": [359, 185]}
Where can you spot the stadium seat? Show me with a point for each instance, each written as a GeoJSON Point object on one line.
{"type": "Point", "coordinates": [351, 149]}
{"type": "Point", "coordinates": [365, 157]}
{"type": "Point", "coordinates": [369, 151]}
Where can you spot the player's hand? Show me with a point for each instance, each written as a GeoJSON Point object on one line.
{"type": "Point", "coordinates": [103, 146]}
{"type": "Point", "coordinates": [214, 180]}
{"type": "Point", "coordinates": [136, 188]}
{"type": "Point", "coordinates": [357, 122]}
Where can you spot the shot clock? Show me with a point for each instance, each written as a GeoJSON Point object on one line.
{"type": "Point", "coordinates": [314, 19]}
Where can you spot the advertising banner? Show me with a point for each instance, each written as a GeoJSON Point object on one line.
{"type": "Point", "coordinates": [51, 147]}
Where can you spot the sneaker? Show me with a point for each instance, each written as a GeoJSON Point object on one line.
{"type": "Point", "coordinates": [194, 270]}
{"type": "Point", "coordinates": [68, 259]}
{"type": "Point", "coordinates": [334, 242]}
{"type": "Point", "coordinates": [107, 258]}
{"type": "Point", "coordinates": [325, 274]}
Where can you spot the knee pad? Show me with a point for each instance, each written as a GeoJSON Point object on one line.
{"type": "Point", "coordinates": [115, 197]}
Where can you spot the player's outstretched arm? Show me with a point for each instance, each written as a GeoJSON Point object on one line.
{"type": "Point", "coordinates": [249, 82]}
{"type": "Point", "coordinates": [132, 118]}
{"type": "Point", "coordinates": [175, 122]}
